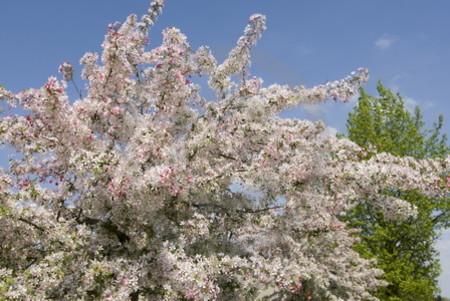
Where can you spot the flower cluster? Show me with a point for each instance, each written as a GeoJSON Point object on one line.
{"type": "Point", "coordinates": [67, 71]}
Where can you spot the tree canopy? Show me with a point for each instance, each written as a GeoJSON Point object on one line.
{"type": "Point", "coordinates": [404, 250]}
{"type": "Point", "coordinates": [143, 190]}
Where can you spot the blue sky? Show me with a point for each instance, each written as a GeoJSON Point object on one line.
{"type": "Point", "coordinates": [406, 43]}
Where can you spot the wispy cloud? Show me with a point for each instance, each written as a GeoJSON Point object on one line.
{"type": "Point", "coordinates": [393, 83]}
{"type": "Point", "coordinates": [303, 49]}
{"type": "Point", "coordinates": [410, 102]}
{"type": "Point", "coordinates": [385, 41]}
{"type": "Point", "coordinates": [329, 130]}
{"type": "Point", "coordinates": [314, 111]}
{"type": "Point", "coordinates": [428, 104]}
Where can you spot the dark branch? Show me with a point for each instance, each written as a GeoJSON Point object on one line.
{"type": "Point", "coordinates": [244, 210]}
{"type": "Point", "coordinates": [34, 260]}
{"type": "Point", "coordinates": [31, 224]}
{"type": "Point", "coordinates": [248, 210]}
{"type": "Point", "coordinates": [108, 225]}
{"type": "Point", "coordinates": [440, 216]}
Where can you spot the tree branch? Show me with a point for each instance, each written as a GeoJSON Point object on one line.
{"type": "Point", "coordinates": [31, 224]}
{"type": "Point", "coordinates": [108, 225]}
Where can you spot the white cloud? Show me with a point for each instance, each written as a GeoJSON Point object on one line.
{"type": "Point", "coordinates": [303, 49]}
{"type": "Point", "coordinates": [314, 111]}
{"type": "Point", "coordinates": [410, 102]}
{"type": "Point", "coordinates": [385, 41]}
{"type": "Point", "coordinates": [428, 104]}
{"type": "Point", "coordinates": [393, 83]}
{"type": "Point", "coordinates": [329, 130]}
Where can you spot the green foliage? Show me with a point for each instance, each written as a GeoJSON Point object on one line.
{"type": "Point", "coordinates": [404, 250]}
{"type": "Point", "coordinates": [384, 123]}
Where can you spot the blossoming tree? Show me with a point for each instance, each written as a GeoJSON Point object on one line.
{"type": "Point", "coordinates": [143, 190]}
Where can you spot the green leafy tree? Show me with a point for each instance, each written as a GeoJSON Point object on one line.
{"type": "Point", "coordinates": [404, 250]}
